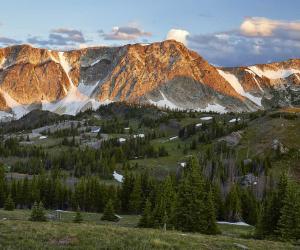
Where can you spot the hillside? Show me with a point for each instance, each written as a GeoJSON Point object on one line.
{"type": "Point", "coordinates": [67, 235]}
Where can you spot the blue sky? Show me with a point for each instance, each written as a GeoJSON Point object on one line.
{"type": "Point", "coordinates": [226, 33]}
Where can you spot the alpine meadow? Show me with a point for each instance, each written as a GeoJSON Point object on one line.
{"type": "Point", "coordinates": [150, 125]}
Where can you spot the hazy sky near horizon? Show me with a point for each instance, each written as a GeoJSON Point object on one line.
{"type": "Point", "coordinates": [227, 33]}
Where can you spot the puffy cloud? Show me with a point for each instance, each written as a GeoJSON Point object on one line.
{"type": "Point", "coordinates": [258, 40]}
{"type": "Point", "coordinates": [59, 37]}
{"type": "Point", "coordinates": [235, 49]}
{"type": "Point", "coordinates": [178, 35]}
{"type": "Point", "coordinates": [124, 33]}
{"type": "Point", "coordinates": [264, 27]}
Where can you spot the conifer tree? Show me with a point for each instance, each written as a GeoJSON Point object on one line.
{"type": "Point", "coordinates": [9, 204]}
{"type": "Point", "coordinates": [165, 205]}
{"type": "Point", "coordinates": [37, 212]}
{"type": "Point", "coordinates": [127, 187]}
{"type": "Point", "coordinates": [212, 227]}
{"type": "Point", "coordinates": [233, 205]}
{"type": "Point", "coordinates": [78, 216]}
{"type": "Point", "coordinates": [191, 200]}
{"type": "Point", "coordinates": [147, 219]}
{"type": "Point", "coordinates": [41, 212]}
{"type": "Point", "coordinates": [2, 185]}
{"type": "Point", "coordinates": [270, 211]}
{"type": "Point", "coordinates": [135, 200]}
{"type": "Point", "coordinates": [109, 213]}
{"type": "Point", "coordinates": [289, 222]}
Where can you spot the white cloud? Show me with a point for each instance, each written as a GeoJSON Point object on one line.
{"type": "Point", "coordinates": [178, 35]}
{"type": "Point", "coordinates": [264, 27]}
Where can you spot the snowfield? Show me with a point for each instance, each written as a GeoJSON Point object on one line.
{"type": "Point", "coordinates": [271, 74]}
{"type": "Point", "coordinates": [118, 177]}
{"type": "Point", "coordinates": [18, 109]}
{"type": "Point", "coordinates": [234, 82]}
{"type": "Point", "coordinates": [4, 116]}
{"type": "Point", "coordinates": [122, 140]}
{"type": "Point", "coordinates": [164, 103]}
{"type": "Point", "coordinates": [214, 108]}
{"type": "Point", "coordinates": [240, 223]}
{"type": "Point", "coordinates": [234, 120]}
{"type": "Point", "coordinates": [139, 136]}
{"type": "Point", "coordinates": [206, 118]}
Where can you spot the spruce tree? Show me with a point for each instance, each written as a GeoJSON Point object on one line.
{"type": "Point", "coordinates": [41, 212]}
{"type": "Point", "coordinates": [146, 219]}
{"type": "Point", "coordinates": [249, 207]}
{"type": "Point", "coordinates": [135, 200]}
{"type": "Point", "coordinates": [233, 205]}
{"type": "Point", "coordinates": [289, 222]}
{"type": "Point", "coordinates": [37, 212]}
{"type": "Point", "coordinates": [109, 213]}
{"type": "Point", "coordinates": [212, 227]}
{"type": "Point", "coordinates": [9, 204]}
{"type": "Point", "coordinates": [270, 211]}
{"type": "Point", "coordinates": [78, 217]}
{"type": "Point", "coordinates": [191, 200]}
{"type": "Point", "coordinates": [2, 185]}
{"type": "Point", "coordinates": [165, 205]}
{"type": "Point", "coordinates": [127, 187]}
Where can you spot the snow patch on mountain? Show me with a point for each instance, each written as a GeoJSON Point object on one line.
{"type": "Point", "coordinates": [274, 74]}
{"type": "Point", "coordinates": [239, 223]}
{"type": "Point", "coordinates": [76, 99]}
{"type": "Point", "coordinates": [5, 116]}
{"type": "Point", "coordinates": [3, 60]}
{"type": "Point", "coordinates": [214, 108]}
{"type": "Point", "coordinates": [253, 75]}
{"type": "Point", "coordinates": [18, 109]}
{"type": "Point", "coordinates": [164, 103]}
{"type": "Point", "coordinates": [95, 62]}
{"type": "Point", "coordinates": [118, 177]}
{"type": "Point", "coordinates": [234, 82]}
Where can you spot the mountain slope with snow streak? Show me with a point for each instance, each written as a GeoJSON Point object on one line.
{"type": "Point", "coordinates": [165, 74]}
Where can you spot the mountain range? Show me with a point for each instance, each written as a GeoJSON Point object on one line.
{"type": "Point", "coordinates": [165, 74]}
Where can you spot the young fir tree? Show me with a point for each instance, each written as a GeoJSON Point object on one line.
{"type": "Point", "coordinates": [249, 207]}
{"type": "Point", "coordinates": [271, 209]}
{"type": "Point", "coordinates": [147, 219]}
{"type": "Point", "coordinates": [289, 222]}
{"type": "Point", "coordinates": [218, 201]}
{"type": "Point", "coordinates": [233, 205]}
{"type": "Point", "coordinates": [9, 204]}
{"type": "Point", "coordinates": [127, 187]}
{"type": "Point", "coordinates": [212, 227]}
{"type": "Point", "coordinates": [2, 185]}
{"type": "Point", "coordinates": [165, 209]}
{"type": "Point", "coordinates": [37, 212]}
{"type": "Point", "coordinates": [109, 212]}
{"type": "Point", "coordinates": [135, 200]}
{"type": "Point", "coordinates": [78, 216]}
{"type": "Point", "coordinates": [191, 212]}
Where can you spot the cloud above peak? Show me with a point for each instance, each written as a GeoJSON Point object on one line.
{"type": "Point", "coordinates": [264, 27]}
{"type": "Point", "coordinates": [127, 33]}
{"type": "Point", "coordinates": [59, 37]}
{"type": "Point", "coordinates": [256, 40]}
{"type": "Point", "coordinates": [178, 35]}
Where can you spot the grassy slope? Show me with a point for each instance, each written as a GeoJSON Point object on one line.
{"type": "Point", "coordinates": [18, 233]}
{"type": "Point", "coordinates": [259, 137]}
{"type": "Point", "coordinates": [50, 235]}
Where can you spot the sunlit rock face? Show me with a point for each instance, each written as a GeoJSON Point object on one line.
{"type": "Point", "coordinates": [165, 74]}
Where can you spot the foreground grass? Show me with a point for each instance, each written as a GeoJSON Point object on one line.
{"type": "Point", "coordinates": [61, 235]}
